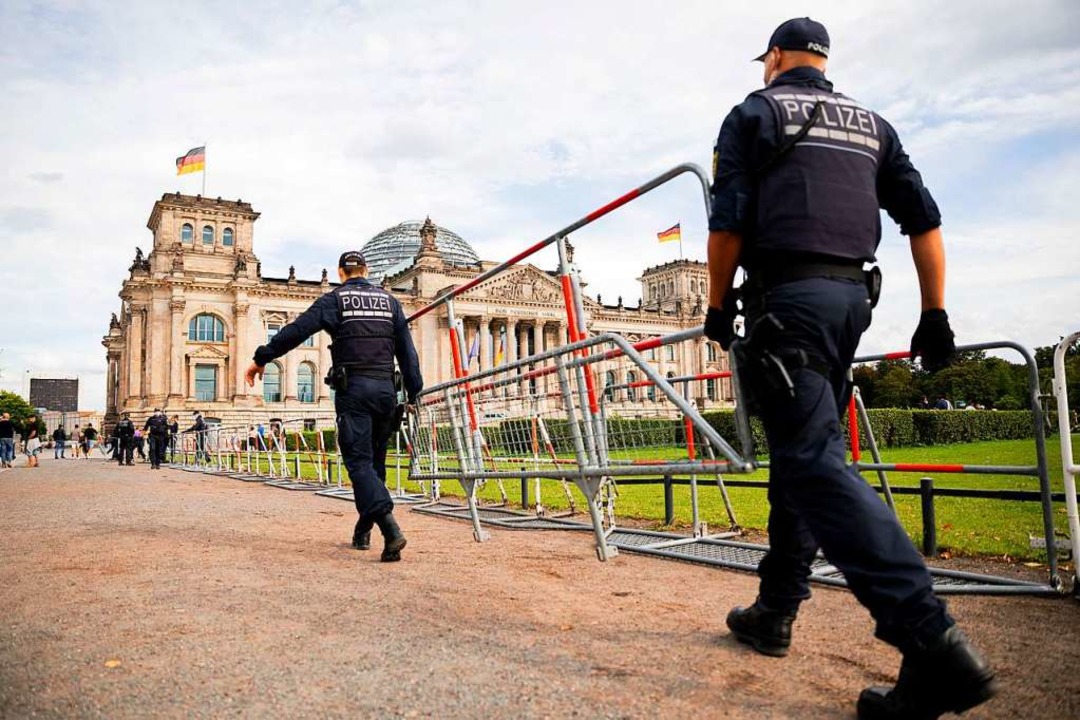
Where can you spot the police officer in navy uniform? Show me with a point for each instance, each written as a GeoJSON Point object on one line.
{"type": "Point", "coordinates": [125, 437]}
{"type": "Point", "coordinates": [369, 331]}
{"type": "Point", "coordinates": [800, 173]}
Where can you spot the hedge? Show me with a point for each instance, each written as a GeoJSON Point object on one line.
{"type": "Point", "coordinates": [310, 437]}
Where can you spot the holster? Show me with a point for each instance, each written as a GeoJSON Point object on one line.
{"type": "Point", "coordinates": [337, 378]}
{"type": "Point", "coordinates": [872, 278]}
{"type": "Point", "coordinates": [766, 365]}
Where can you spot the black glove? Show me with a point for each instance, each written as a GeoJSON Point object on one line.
{"type": "Point", "coordinates": [933, 341]}
{"type": "Point", "coordinates": [720, 325]}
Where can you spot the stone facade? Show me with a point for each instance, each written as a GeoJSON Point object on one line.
{"type": "Point", "coordinates": [195, 308]}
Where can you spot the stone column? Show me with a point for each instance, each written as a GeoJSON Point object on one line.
{"type": "Point", "coordinates": [485, 342]}
{"type": "Point", "coordinates": [324, 366]}
{"type": "Point", "coordinates": [176, 352]}
{"type": "Point", "coordinates": [511, 340]}
{"type": "Point", "coordinates": [291, 370]}
{"type": "Point", "coordinates": [135, 355]}
{"type": "Point", "coordinates": [111, 388]}
{"type": "Point", "coordinates": [241, 357]}
{"type": "Point", "coordinates": [538, 336]}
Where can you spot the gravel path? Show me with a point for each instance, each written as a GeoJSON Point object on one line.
{"type": "Point", "coordinates": [130, 593]}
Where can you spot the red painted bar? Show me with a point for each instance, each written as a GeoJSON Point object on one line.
{"type": "Point", "coordinates": [901, 355]}
{"type": "Point", "coordinates": [691, 451]}
{"type": "Point", "coordinates": [853, 429]}
{"type": "Point", "coordinates": [618, 202]}
{"type": "Point", "coordinates": [928, 467]}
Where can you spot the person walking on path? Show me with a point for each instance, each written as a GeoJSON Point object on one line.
{"type": "Point", "coordinates": [157, 430]}
{"type": "Point", "coordinates": [125, 439]}
{"type": "Point", "coordinates": [369, 331]}
{"type": "Point", "coordinates": [31, 441]}
{"type": "Point", "coordinates": [199, 429]}
{"type": "Point", "coordinates": [800, 172]}
{"type": "Point", "coordinates": [174, 434]}
{"type": "Point", "coordinates": [140, 442]}
{"type": "Point", "coordinates": [90, 435]}
{"type": "Point", "coordinates": [7, 441]}
{"type": "Point", "coordinates": [59, 442]}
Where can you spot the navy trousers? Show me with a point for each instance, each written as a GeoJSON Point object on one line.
{"type": "Point", "coordinates": [816, 500]}
{"type": "Point", "coordinates": [365, 417]}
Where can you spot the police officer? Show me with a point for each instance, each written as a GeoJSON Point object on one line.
{"type": "Point", "coordinates": [369, 331]}
{"type": "Point", "coordinates": [800, 174]}
{"type": "Point", "coordinates": [157, 429]}
{"type": "Point", "coordinates": [125, 437]}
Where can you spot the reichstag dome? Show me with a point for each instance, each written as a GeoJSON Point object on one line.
{"type": "Point", "coordinates": [394, 249]}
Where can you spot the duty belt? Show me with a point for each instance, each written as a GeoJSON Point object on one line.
{"type": "Point", "coordinates": [766, 278]}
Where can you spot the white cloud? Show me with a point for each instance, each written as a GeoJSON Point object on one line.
{"type": "Point", "coordinates": [504, 121]}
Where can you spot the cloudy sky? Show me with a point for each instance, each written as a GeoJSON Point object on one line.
{"type": "Point", "coordinates": [505, 121]}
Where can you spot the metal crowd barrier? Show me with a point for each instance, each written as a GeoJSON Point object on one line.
{"type": "Point", "coordinates": [856, 412]}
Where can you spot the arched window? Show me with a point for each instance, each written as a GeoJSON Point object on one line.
{"type": "Point", "coordinates": [272, 383]}
{"type": "Point", "coordinates": [305, 382]}
{"type": "Point", "coordinates": [206, 328]}
{"type": "Point", "coordinates": [187, 233]}
{"type": "Point", "coordinates": [609, 385]}
{"type": "Point", "coordinates": [631, 391]}
{"type": "Point", "coordinates": [710, 352]}
{"type": "Point", "coordinates": [226, 237]}
{"type": "Point", "coordinates": [207, 235]}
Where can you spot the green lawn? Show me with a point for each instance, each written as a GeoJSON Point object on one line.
{"type": "Point", "coordinates": [965, 526]}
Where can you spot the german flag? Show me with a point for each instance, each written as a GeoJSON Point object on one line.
{"type": "Point", "coordinates": [194, 160]}
{"type": "Point", "coordinates": [672, 234]}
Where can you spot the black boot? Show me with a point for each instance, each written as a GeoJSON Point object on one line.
{"type": "Point", "coordinates": [767, 631]}
{"type": "Point", "coordinates": [361, 534]}
{"type": "Point", "coordinates": [393, 537]}
{"type": "Point", "coordinates": [948, 676]}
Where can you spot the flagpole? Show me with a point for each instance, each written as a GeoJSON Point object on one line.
{"type": "Point", "coordinates": [204, 173]}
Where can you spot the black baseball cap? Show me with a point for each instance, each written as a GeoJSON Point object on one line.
{"type": "Point", "coordinates": [799, 34]}
{"type": "Point", "coordinates": [351, 259]}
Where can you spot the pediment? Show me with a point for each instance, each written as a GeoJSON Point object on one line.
{"type": "Point", "coordinates": [523, 284]}
{"type": "Point", "coordinates": [207, 352]}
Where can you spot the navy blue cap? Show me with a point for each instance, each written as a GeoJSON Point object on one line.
{"type": "Point", "coordinates": [351, 259]}
{"type": "Point", "coordinates": [799, 34]}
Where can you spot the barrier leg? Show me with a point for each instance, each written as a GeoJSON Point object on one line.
{"type": "Point", "coordinates": [872, 442]}
{"type": "Point", "coordinates": [1069, 468]}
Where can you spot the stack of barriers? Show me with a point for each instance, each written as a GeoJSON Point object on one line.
{"type": "Point", "coordinates": [544, 417]}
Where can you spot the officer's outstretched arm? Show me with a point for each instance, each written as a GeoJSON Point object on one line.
{"type": "Point", "coordinates": [933, 339]}
{"type": "Point", "coordinates": [928, 252]}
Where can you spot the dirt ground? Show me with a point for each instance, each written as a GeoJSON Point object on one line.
{"type": "Point", "coordinates": [131, 593]}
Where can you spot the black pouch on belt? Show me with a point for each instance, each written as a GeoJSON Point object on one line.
{"type": "Point", "coordinates": [873, 284]}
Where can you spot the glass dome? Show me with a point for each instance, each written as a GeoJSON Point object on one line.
{"type": "Point", "coordinates": [394, 249]}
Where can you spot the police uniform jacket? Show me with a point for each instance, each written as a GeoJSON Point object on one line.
{"type": "Point", "coordinates": [369, 330]}
{"type": "Point", "coordinates": [820, 199]}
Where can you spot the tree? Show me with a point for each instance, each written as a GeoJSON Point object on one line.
{"type": "Point", "coordinates": [20, 410]}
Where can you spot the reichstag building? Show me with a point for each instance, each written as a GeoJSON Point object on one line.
{"type": "Point", "coordinates": [195, 307]}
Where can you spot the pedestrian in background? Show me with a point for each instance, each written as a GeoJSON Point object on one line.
{"type": "Point", "coordinates": [31, 441]}
{"type": "Point", "coordinates": [125, 440]}
{"type": "Point", "coordinates": [140, 442]}
{"type": "Point", "coordinates": [59, 442]}
{"type": "Point", "coordinates": [174, 433]}
{"type": "Point", "coordinates": [157, 430]}
{"type": "Point", "coordinates": [7, 441]}
{"type": "Point", "coordinates": [91, 436]}
{"type": "Point", "coordinates": [199, 429]}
